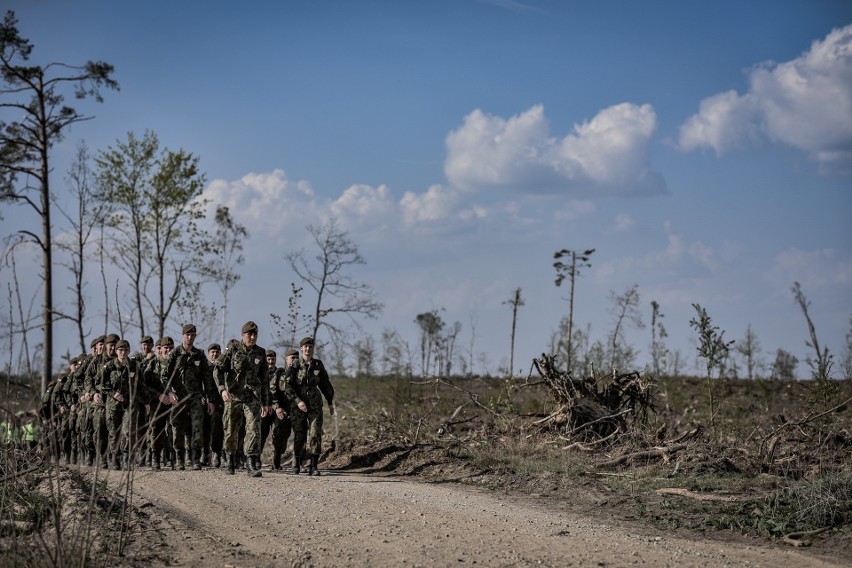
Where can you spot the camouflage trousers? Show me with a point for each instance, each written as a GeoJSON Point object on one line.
{"type": "Point", "coordinates": [187, 421]}
{"type": "Point", "coordinates": [279, 429]}
{"type": "Point", "coordinates": [213, 431]}
{"type": "Point", "coordinates": [239, 413]}
{"type": "Point", "coordinates": [307, 429]}
{"type": "Point", "coordinates": [97, 435]}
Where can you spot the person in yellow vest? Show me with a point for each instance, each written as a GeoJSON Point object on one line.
{"type": "Point", "coordinates": [30, 432]}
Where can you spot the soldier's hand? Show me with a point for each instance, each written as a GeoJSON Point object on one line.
{"type": "Point", "coordinates": [147, 409]}
{"type": "Point", "coordinates": [302, 406]}
{"type": "Point", "coordinates": [225, 396]}
{"type": "Point", "coordinates": [165, 399]}
{"type": "Point", "coordinates": [118, 396]}
{"type": "Point", "coordinates": [96, 398]}
{"type": "Point", "coordinates": [279, 412]}
{"type": "Point", "coordinates": [173, 399]}
{"type": "Point", "coordinates": [331, 409]}
{"type": "Point", "coordinates": [211, 408]}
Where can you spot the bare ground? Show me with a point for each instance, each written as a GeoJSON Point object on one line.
{"type": "Point", "coordinates": [362, 516]}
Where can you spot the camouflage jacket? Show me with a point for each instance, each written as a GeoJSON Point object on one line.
{"type": "Point", "coordinates": [189, 374]}
{"type": "Point", "coordinates": [125, 379]}
{"type": "Point", "coordinates": [242, 371]}
{"type": "Point", "coordinates": [306, 380]}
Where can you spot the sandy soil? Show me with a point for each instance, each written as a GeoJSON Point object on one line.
{"type": "Point", "coordinates": [353, 518]}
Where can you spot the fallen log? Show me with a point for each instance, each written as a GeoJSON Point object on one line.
{"type": "Point", "coordinates": [655, 452]}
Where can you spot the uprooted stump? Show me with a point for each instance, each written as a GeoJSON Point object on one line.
{"type": "Point", "coordinates": [595, 409]}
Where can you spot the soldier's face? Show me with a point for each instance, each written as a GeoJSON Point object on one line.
{"type": "Point", "coordinates": [188, 339]}
{"type": "Point", "coordinates": [167, 349]}
{"type": "Point", "coordinates": [146, 348]}
{"type": "Point", "coordinates": [308, 350]}
{"type": "Point", "coordinates": [250, 338]}
{"type": "Point", "coordinates": [270, 361]}
{"type": "Point", "coordinates": [213, 354]}
{"type": "Point", "coordinates": [290, 360]}
{"type": "Point", "coordinates": [99, 348]}
{"type": "Point", "coordinates": [110, 349]}
{"type": "Point", "coordinates": [121, 353]}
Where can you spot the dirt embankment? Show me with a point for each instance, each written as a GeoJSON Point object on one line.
{"type": "Point", "coordinates": [351, 518]}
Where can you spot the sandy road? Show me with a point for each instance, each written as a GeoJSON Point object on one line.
{"type": "Point", "coordinates": [350, 519]}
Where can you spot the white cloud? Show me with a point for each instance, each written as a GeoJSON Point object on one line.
{"type": "Point", "coordinates": [264, 202]}
{"type": "Point", "coordinates": [607, 154]}
{"type": "Point", "coordinates": [805, 103]}
{"type": "Point", "coordinates": [434, 205]}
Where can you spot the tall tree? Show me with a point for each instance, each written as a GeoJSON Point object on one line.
{"type": "Point", "coordinates": [515, 301]}
{"type": "Point", "coordinates": [749, 348]}
{"type": "Point", "coordinates": [431, 325]}
{"type": "Point", "coordinates": [156, 209]}
{"type": "Point", "coordinates": [84, 215]}
{"type": "Point", "coordinates": [570, 269]}
{"type": "Point", "coordinates": [337, 291]}
{"type": "Point", "coordinates": [34, 95]}
{"type": "Point", "coordinates": [626, 311]}
{"type": "Point", "coordinates": [658, 336]}
{"type": "Point", "coordinates": [227, 252]}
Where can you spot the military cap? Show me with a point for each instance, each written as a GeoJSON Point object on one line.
{"type": "Point", "coordinates": [306, 341]}
{"type": "Point", "coordinates": [168, 341]}
{"type": "Point", "coordinates": [249, 327]}
{"type": "Point", "coordinates": [112, 338]}
{"type": "Point", "coordinates": [292, 353]}
{"type": "Point", "coordinates": [271, 353]}
{"type": "Point", "coordinates": [147, 339]}
{"type": "Point", "coordinates": [213, 346]}
{"type": "Point", "coordinates": [123, 344]}
{"type": "Point", "coordinates": [188, 328]}
{"type": "Point", "coordinates": [98, 339]}
{"type": "Point", "coordinates": [74, 360]}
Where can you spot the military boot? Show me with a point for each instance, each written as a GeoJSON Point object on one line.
{"type": "Point", "coordinates": [253, 466]}
{"type": "Point", "coordinates": [297, 464]}
{"type": "Point", "coordinates": [312, 468]}
{"type": "Point", "coordinates": [276, 461]}
{"type": "Point", "coordinates": [232, 460]}
{"type": "Point", "coordinates": [196, 460]}
{"type": "Point", "coordinates": [155, 459]}
{"type": "Point", "coordinates": [216, 460]}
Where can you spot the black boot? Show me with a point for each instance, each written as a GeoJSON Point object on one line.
{"type": "Point", "coordinates": [155, 459]}
{"type": "Point", "coordinates": [196, 460]}
{"type": "Point", "coordinates": [276, 461]}
{"type": "Point", "coordinates": [181, 459]}
{"type": "Point", "coordinates": [297, 464]}
{"type": "Point", "coordinates": [232, 460]}
{"type": "Point", "coordinates": [312, 469]}
{"type": "Point", "coordinates": [253, 464]}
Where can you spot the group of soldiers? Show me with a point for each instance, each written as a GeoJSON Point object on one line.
{"type": "Point", "coordinates": [176, 405]}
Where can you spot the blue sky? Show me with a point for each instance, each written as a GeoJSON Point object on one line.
{"type": "Point", "coordinates": [703, 148]}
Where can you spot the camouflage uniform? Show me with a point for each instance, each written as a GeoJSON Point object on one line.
{"type": "Point", "coordinates": [189, 377]}
{"type": "Point", "coordinates": [280, 428]}
{"type": "Point", "coordinates": [122, 417]}
{"type": "Point", "coordinates": [308, 382]}
{"type": "Point", "coordinates": [97, 436]}
{"type": "Point", "coordinates": [242, 372]}
{"type": "Point", "coordinates": [158, 424]}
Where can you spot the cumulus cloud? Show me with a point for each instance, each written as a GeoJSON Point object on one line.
{"type": "Point", "coordinates": [608, 154]}
{"type": "Point", "coordinates": [263, 201]}
{"type": "Point", "coordinates": [805, 103]}
{"type": "Point", "coordinates": [435, 204]}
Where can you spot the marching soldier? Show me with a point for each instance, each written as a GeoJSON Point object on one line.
{"type": "Point", "coordinates": [240, 375]}
{"type": "Point", "coordinates": [190, 387]}
{"type": "Point", "coordinates": [307, 383]}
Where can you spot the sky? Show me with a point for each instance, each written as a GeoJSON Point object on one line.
{"type": "Point", "coordinates": [703, 149]}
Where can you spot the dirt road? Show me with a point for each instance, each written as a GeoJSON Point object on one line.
{"type": "Point", "coordinates": [351, 519]}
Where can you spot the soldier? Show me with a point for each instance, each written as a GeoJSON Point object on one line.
{"type": "Point", "coordinates": [61, 401]}
{"type": "Point", "coordinates": [143, 358]}
{"type": "Point", "coordinates": [98, 436]}
{"type": "Point", "coordinates": [157, 379]}
{"type": "Point", "coordinates": [85, 410]}
{"type": "Point", "coordinates": [282, 426]}
{"type": "Point", "coordinates": [307, 383]}
{"type": "Point", "coordinates": [240, 375]}
{"type": "Point", "coordinates": [119, 385]}
{"type": "Point", "coordinates": [190, 386]}
{"type": "Point", "coordinates": [68, 430]}
{"type": "Point", "coordinates": [213, 432]}
{"type": "Point", "coordinates": [272, 372]}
